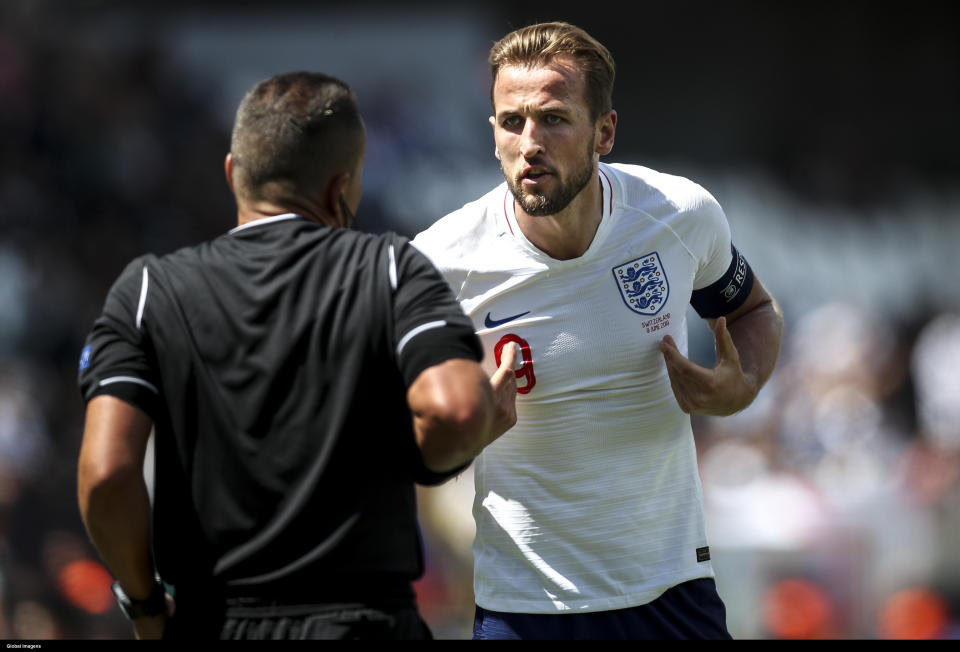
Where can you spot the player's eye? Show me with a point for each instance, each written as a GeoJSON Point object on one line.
{"type": "Point", "coordinates": [553, 119]}
{"type": "Point", "coordinates": [511, 121]}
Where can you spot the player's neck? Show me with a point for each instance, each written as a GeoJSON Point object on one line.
{"type": "Point", "coordinates": [566, 234]}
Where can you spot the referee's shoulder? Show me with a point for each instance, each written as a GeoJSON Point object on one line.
{"type": "Point", "coordinates": [152, 263]}
{"type": "Point", "coordinates": [389, 247]}
{"type": "Point", "coordinates": [383, 240]}
{"type": "Point", "coordinates": [330, 240]}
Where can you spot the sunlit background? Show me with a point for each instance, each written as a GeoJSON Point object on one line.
{"type": "Point", "coordinates": [827, 130]}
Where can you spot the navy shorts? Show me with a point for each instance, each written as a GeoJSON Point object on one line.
{"type": "Point", "coordinates": [692, 610]}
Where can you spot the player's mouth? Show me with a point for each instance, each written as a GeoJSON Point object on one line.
{"type": "Point", "coordinates": [534, 174]}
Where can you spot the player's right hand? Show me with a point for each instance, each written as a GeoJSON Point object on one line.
{"type": "Point", "coordinates": [504, 383]}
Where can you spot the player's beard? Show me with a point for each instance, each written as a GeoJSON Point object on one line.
{"type": "Point", "coordinates": [540, 205]}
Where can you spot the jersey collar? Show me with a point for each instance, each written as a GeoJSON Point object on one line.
{"type": "Point", "coordinates": [510, 213]}
{"type": "Point", "coordinates": [267, 220]}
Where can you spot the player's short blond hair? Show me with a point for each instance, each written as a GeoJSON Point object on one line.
{"type": "Point", "coordinates": [536, 45]}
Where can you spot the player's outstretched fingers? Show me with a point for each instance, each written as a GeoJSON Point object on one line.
{"type": "Point", "coordinates": [504, 383]}
{"type": "Point", "coordinates": [692, 384]}
{"type": "Point", "coordinates": [508, 358]}
{"type": "Point", "coordinates": [674, 361]}
{"type": "Point", "coordinates": [677, 363]}
{"type": "Point", "coordinates": [669, 349]}
{"type": "Point", "coordinates": [726, 349]}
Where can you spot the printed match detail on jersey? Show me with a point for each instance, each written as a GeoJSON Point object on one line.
{"type": "Point", "coordinates": [643, 284]}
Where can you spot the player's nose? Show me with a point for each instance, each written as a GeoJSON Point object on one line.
{"type": "Point", "coordinates": [531, 143]}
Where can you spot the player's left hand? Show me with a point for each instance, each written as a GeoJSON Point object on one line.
{"type": "Point", "coordinates": [720, 391]}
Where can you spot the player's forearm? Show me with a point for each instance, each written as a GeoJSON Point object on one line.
{"type": "Point", "coordinates": [757, 335]}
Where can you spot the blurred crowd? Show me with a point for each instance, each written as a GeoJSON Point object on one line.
{"type": "Point", "coordinates": [832, 503]}
{"type": "Point", "coordinates": [833, 500]}
{"type": "Point", "coordinates": [106, 153]}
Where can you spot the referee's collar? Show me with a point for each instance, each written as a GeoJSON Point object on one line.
{"type": "Point", "coordinates": [267, 220]}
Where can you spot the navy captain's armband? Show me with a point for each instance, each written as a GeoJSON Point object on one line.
{"type": "Point", "coordinates": [728, 293]}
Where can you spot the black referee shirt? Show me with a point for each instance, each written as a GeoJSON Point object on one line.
{"type": "Point", "coordinates": [274, 361]}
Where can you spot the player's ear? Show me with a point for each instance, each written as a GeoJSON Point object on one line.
{"type": "Point", "coordinates": [493, 123]}
{"type": "Point", "coordinates": [228, 170]}
{"type": "Point", "coordinates": [606, 131]}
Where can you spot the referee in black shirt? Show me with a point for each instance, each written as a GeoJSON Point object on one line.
{"type": "Point", "coordinates": [299, 378]}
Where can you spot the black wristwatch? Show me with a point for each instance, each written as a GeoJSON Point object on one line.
{"type": "Point", "coordinates": [153, 605]}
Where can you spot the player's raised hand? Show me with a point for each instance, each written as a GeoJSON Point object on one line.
{"type": "Point", "coordinates": [719, 391]}
{"type": "Point", "coordinates": [504, 383]}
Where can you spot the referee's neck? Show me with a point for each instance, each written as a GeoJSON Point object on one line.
{"type": "Point", "coordinates": [254, 211]}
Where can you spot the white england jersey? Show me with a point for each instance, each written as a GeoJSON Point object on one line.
{"type": "Point", "coordinates": [593, 500]}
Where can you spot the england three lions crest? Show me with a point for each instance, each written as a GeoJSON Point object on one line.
{"type": "Point", "coordinates": [643, 284]}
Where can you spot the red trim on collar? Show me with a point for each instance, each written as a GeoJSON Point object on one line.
{"type": "Point", "coordinates": [505, 216]}
{"type": "Point", "coordinates": [611, 189]}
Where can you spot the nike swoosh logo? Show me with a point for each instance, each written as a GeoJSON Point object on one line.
{"type": "Point", "coordinates": [493, 323]}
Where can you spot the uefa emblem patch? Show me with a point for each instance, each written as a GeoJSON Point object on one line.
{"type": "Point", "coordinates": [85, 356]}
{"type": "Point", "coordinates": [643, 284]}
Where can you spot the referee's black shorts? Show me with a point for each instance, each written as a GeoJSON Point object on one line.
{"type": "Point", "coordinates": [246, 620]}
{"type": "Point", "coordinates": [300, 614]}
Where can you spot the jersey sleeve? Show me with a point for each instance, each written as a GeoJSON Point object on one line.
{"type": "Point", "coordinates": [430, 326]}
{"type": "Point", "coordinates": [115, 359]}
{"type": "Point", "coordinates": [449, 242]}
{"type": "Point", "coordinates": [724, 279]}
{"type": "Point", "coordinates": [710, 241]}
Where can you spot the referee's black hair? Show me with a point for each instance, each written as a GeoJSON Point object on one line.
{"type": "Point", "coordinates": [292, 131]}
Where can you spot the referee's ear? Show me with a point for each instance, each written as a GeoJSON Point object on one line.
{"type": "Point", "coordinates": [335, 189]}
{"type": "Point", "coordinates": [228, 170]}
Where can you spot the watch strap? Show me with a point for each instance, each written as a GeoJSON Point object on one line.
{"type": "Point", "coordinates": [153, 605]}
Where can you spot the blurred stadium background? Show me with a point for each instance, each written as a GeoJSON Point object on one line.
{"type": "Point", "coordinates": [827, 130]}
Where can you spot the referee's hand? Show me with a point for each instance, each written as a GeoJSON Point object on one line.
{"type": "Point", "coordinates": [152, 628]}
{"type": "Point", "coordinates": [504, 383]}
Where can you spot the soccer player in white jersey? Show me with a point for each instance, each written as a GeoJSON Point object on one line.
{"type": "Point", "coordinates": [589, 510]}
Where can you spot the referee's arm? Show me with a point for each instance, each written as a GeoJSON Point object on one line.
{"type": "Point", "coordinates": [457, 410]}
{"type": "Point", "coordinates": [114, 502]}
